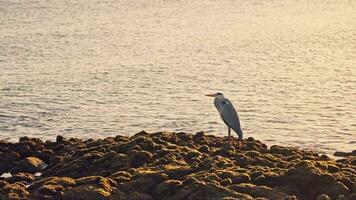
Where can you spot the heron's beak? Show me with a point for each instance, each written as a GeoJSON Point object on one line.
{"type": "Point", "coordinates": [210, 95]}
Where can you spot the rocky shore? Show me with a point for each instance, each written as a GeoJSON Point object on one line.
{"type": "Point", "coordinates": [165, 166]}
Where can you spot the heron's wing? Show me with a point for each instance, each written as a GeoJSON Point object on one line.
{"type": "Point", "coordinates": [229, 116]}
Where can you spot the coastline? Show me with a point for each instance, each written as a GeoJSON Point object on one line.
{"type": "Point", "coordinates": [166, 165]}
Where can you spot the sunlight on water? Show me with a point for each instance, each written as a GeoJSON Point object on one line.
{"type": "Point", "coordinates": [96, 68]}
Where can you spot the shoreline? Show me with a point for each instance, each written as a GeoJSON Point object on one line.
{"type": "Point", "coordinates": [166, 165]}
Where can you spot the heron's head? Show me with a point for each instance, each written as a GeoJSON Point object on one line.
{"type": "Point", "coordinates": [215, 95]}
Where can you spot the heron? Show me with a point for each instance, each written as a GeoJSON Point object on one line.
{"type": "Point", "coordinates": [228, 114]}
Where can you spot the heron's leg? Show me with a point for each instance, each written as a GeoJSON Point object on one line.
{"type": "Point", "coordinates": [229, 134]}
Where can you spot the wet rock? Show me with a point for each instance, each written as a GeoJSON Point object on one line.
{"type": "Point", "coordinates": [52, 181]}
{"type": "Point", "coordinates": [226, 182]}
{"type": "Point", "coordinates": [235, 177]}
{"type": "Point", "coordinates": [167, 189]}
{"type": "Point", "coordinates": [323, 197]}
{"type": "Point", "coordinates": [199, 135]}
{"type": "Point", "coordinates": [29, 165]}
{"type": "Point", "coordinates": [204, 149]}
{"type": "Point", "coordinates": [21, 177]}
{"type": "Point", "coordinates": [345, 154]}
{"type": "Point", "coordinates": [175, 171]}
{"type": "Point", "coordinates": [311, 181]}
{"type": "Point", "coordinates": [94, 187]}
{"type": "Point", "coordinates": [227, 151]}
{"type": "Point", "coordinates": [335, 189]}
{"type": "Point", "coordinates": [352, 196]}
{"type": "Point", "coordinates": [261, 191]}
{"type": "Point", "coordinates": [49, 191]}
{"type": "Point", "coordinates": [204, 190]}
{"type": "Point", "coordinates": [88, 192]}
{"type": "Point", "coordinates": [253, 154]}
{"type": "Point", "coordinates": [332, 168]}
{"type": "Point", "coordinates": [164, 166]}
{"type": "Point", "coordinates": [139, 158]}
{"type": "Point", "coordinates": [145, 182]}
{"type": "Point", "coordinates": [59, 138]}
{"type": "Point", "coordinates": [14, 191]}
{"type": "Point", "coordinates": [284, 151]}
{"type": "Point", "coordinates": [119, 161]}
{"type": "Point", "coordinates": [193, 154]}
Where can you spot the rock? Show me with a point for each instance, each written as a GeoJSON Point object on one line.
{"type": "Point", "coordinates": [212, 191]}
{"type": "Point", "coordinates": [335, 189]}
{"type": "Point", "coordinates": [139, 158]}
{"type": "Point", "coordinates": [21, 177]}
{"type": "Point", "coordinates": [190, 181]}
{"type": "Point", "coordinates": [352, 196]}
{"type": "Point", "coordinates": [199, 135]}
{"type": "Point", "coordinates": [119, 161]}
{"type": "Point", "coordinates": [323, 197]}
{"type": "Point", "coordinates": [235, 177]}
{"type": "Point", "coordinates": [311, 181]}
{"type": "Point", "coordinates": [94, 187]}
{"type": "Point", "coordinates": [87, 192]}
{"type": "Point", "coordinates": [175, 171]}
{"type": "Point", "coordinates": [261, 191]}
{"type": "Point", "coordinates": [49, 191]}
{"type": "Point", "coordinates": [226, 182]}
{"type": "Point", "coordinates": [14, 191]}
{"type": "Point", "coordinates": [204, 149]}
{"type": "Point", "coordinates": [284, 151]}
{"type": "Point", "coordinates": [332, 168]}
{"type": "Point", "coordinates": [164, 166]}
{"type": "Point", "coordinates": [59, 138]}
{"type": "Point", "coordinates": [167, 189]}
{"type": "Point", "coordinates": [138, 196]}
{"type": "Point", "coordinates": [121, 176]}
{"type": "Point", "coordinates": [62, 181]}
{"type": "Point", "coordinates": [145, 182]}
{"type": "Point", "coordinates": [253, 154]}
{"type": "Point", "coordinates": [29, 165]}
{"type": "Point", "coordinates": [345, 154]}
{"type": "Point", "coordinates": [192, 154]}
{"type": "Point", "coordinates": [227, 151]}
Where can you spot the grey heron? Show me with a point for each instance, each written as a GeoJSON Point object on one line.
{"type": "Point", "coordinates": [228, 114]}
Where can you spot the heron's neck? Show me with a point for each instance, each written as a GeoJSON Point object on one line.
{"type": "Point", "coordinates": [218, 102]}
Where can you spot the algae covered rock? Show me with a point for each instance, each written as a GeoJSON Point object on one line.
{"type": "Point", "coordinates": [29, 165]}
{"type": "Point", "coordinates": [167, 189]}
{"type": "Point", "coordinates": [201, 191]}
{"type": "Point", "coordinates": [165, 166]}
{"type": "Point", "coordinates": [14, 191]}
{"type": "Point", "coordinates": [312, 181]}
{"type": "Point", "coordinates": [19, 177]}
{"type": "Point", "coordinates": [145, 182]}
{"type": "Point", "coordinates": [261, 191]}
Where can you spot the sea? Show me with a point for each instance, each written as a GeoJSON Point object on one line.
{"type": "Point", "coordinates": [92, 69]}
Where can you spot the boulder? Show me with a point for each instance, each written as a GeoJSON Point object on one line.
{"type": "Point", "coordinates": [312, 181]}
{"type": "Point", "coordinates": [21, 177]}
{"type": "Point", "coordinates": [323, 197]}
{"type": "Point", "coordinates": [145, 182]}
{"type": "Point", "coordinates": [261, 191]}
{"type": "Point", "coordinates": [29, 165]}
{"type": "Point", "coordinates": [16, 191]}
{"type": "Point", "coordinates": [139, 158]}
{"type": "Point", "coordinates": [201, 191]}
{"type": "Point", "coordinates": [167, 189]}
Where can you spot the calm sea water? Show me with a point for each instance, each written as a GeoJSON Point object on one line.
{"type": "Point", "coordinates": [84, 68]}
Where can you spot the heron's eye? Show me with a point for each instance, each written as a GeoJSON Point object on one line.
{"type": "Point", "coordinates": [219, 93]}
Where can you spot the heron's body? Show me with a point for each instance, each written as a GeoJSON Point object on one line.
{"type": "Point", "coordinates": [228, 114]}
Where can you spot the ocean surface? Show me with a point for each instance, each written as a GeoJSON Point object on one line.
{"type": "Point", "coordinates": [90, 69]}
